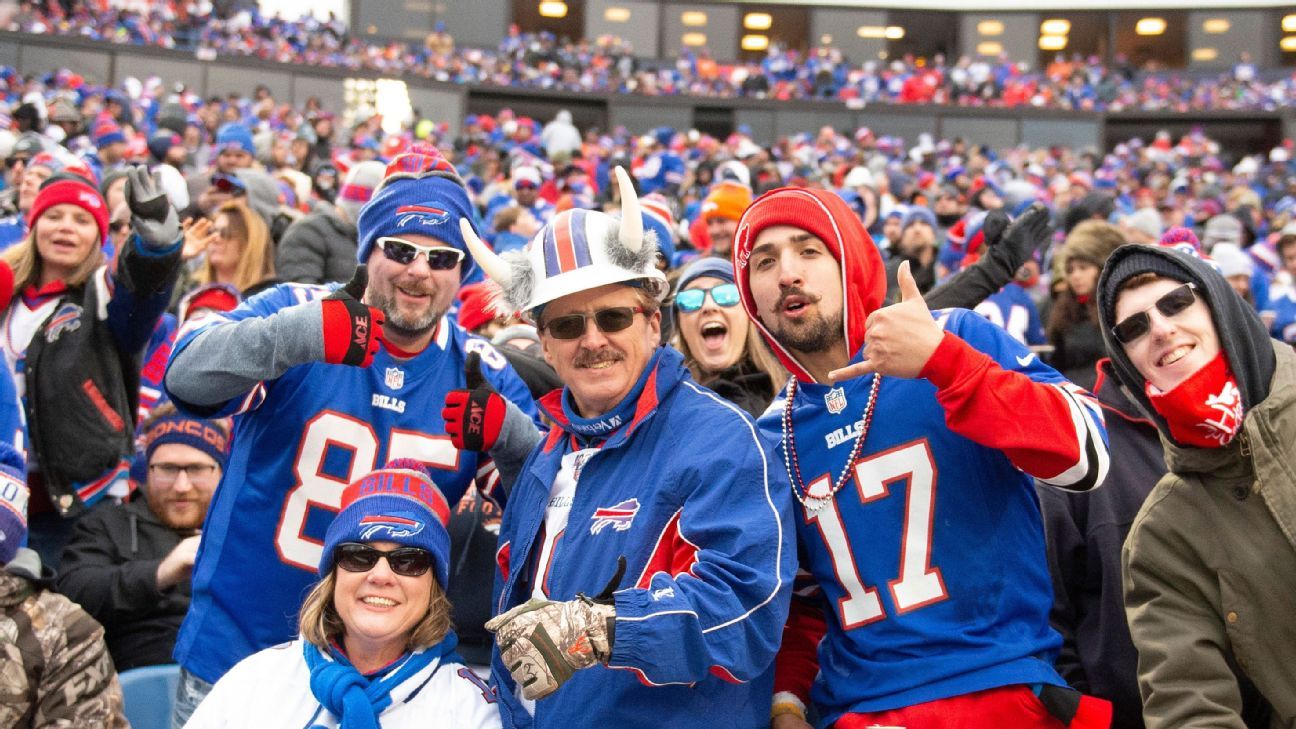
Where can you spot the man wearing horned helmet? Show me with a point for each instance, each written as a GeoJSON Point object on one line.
{"type": "Point", "coordinates": [650, 494]}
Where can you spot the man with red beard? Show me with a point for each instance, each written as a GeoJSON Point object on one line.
{"type": "Point", "coordinates": [926, 592]}
{"type": "Point", "coordinates": [128, 564]}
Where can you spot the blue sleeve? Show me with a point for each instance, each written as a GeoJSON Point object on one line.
{"type": "Point", "coordinates": [139, 291]}
{"type": "Point", "coordinates": [716, 604]}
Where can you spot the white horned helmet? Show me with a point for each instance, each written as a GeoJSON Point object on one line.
{"type": "Point", "coordinates": [576, 251]}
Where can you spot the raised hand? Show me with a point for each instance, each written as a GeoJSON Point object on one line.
{"type": "Point", "coordinates": [898, 339]}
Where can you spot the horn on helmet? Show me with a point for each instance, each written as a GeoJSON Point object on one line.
{"type": "Point", "coordinates": [632, 232]}
{"type": "Point", "coordinates": [496, 268]}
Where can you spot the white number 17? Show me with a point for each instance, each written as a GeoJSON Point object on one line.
{"type": "Point", "coordinates": [919, 584]}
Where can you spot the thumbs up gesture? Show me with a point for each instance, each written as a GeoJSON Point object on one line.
{"type": "Point", "coordinates": [474, 414]}
{"type": "Point", "coordinates": [898, 339]}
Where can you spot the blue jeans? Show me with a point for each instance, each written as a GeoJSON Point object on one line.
{"type": "Point", "coordinates": [190, 692]}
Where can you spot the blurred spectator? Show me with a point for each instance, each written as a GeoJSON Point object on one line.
{"type": "Point", "coordinates": [129, 564]}
{"type": "Point", "coordinates": [321, 246]}
{"type": "Point", "coordinates": [79, 320]}
{"type": "Point", "coordinates": [1073, 321]}
{"type": "Point", "coordinates": [57, 671]}
{"type": "Point", "coordinates": [240, 253]}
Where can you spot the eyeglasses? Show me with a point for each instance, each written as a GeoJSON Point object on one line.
{"type": "Point", "coordinates": [12, 162]}
{"type": "Point", "coordinates": [198, 473]}
{"type": "Point", "coordinates": [404, 561]}
{"type": "Point", "coordinates": [525, 185]}
{"type": "Point", "coordinates": [691, 300]}
{"type": "Point", "coordinates": [119, 226]}
{"type": "Point", "coordinates": [439, 258]}
{"type": "Point", "coordinates": [608, 321]}
{"type": "Point", "coordinates": [1173, 302]}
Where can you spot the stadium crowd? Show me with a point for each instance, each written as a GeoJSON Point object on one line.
{"type": "Point", "coordinates": [183, 260]}
{"type": "Point", "coordinates": [608, 64]}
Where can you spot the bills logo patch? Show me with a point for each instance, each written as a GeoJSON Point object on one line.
{"type": "Point", "coordinates": [835, 400]}
{"type": "Point", "coordinates": [66, 319]}
{"type": "Point", "coordinates": [420, 215]}
{"type": "Point", "coordinates": [394, 378]}
{"type": "Point", "coordinates": [618, 516]}
{"type": "Point", "coordinates": [395, 526]}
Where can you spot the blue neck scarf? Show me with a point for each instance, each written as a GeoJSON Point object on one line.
{"type": "Point", "coordinates": [606, 424]}
{"type": "Point", "coordinates": [358, 700]}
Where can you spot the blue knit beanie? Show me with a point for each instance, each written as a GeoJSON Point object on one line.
{"type": "Point", "coordinates": [719, 268]}
{"type": "Point", "coordinates": [13, 502]}
{"type": "Point", "coordinates": [233, 134]}
{"type": "Point", "coordinates": [420, 193]}
{"type": "Point", "coordinates": [397, 503]}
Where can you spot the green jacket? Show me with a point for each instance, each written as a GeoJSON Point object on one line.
{"type": "Point", "coordinates": [1210, 572]}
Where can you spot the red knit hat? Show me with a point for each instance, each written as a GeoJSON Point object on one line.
{"type": "Point", "coordinates": [475, 305]}
{"type": "Point", "coordinates": [827, 217]}
{"type": "Point", "coordinates": [74, 192]}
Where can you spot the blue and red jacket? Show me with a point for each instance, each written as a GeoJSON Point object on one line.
{"type": "Point", "coordinates": [684, 487]}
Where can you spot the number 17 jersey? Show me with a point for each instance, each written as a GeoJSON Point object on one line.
{"type": "Point", "coordinates": [929, 562]}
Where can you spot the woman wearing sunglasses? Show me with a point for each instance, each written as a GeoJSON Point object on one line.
{"type": "Point", "coordinates": [721, 348]}
{"type": "Point", "coordinates": [239, 249]}
{"type": "Point", "coordinates": [376, 646]}
{"type": "Point", "coordinates": [1208, 566]}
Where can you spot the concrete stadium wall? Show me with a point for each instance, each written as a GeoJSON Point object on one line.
{"type": "Point", "coordinates": [768, 120]}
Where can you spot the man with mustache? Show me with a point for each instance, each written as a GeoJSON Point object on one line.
{"type": "Point", "coordinates": [927, 595]}
{"type": "Point", "coordinates": [650, 494]}
{"type": "Point", "coordinates": [324, 387]}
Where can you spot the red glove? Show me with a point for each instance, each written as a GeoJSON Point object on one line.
{"type": "Point", "coordinates": [473, 416]}
{"type": "Point", "coordinates": [352, 330]}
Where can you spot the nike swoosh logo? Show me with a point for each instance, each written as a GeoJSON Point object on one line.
{"type": "Point", "coordinates": [1024, 361]}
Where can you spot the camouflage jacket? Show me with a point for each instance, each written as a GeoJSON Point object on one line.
{"type": "Point", "coordinates": [55, 670]}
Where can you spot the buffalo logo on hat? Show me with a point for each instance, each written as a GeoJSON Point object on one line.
{"type": "Point", "coordinates": [399, 525]}
{"type": "Point", "coordinates": [420, 215]}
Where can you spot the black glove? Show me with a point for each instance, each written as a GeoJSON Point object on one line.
{"type": "Point", "coordinates": [352, 330]}
{"type": "Point", "coordinates": [1010, 249]}
{"type": "Point", "coordinates": [153, 216]}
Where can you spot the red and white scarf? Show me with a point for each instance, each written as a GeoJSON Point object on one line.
{"type": "Point", "coordinates": [1204, 410]}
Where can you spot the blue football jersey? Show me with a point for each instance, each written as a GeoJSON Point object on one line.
{"type": "Point", "coordinates": [1014, 310]}
{"type": "Point", "coordinates": [1283, 304]}
{"type": "Point", "coordinates": [297, 442]}
{"type": "Point", "coordinates": [930, 560]}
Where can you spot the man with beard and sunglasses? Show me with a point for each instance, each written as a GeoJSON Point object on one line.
{"type": "Point", "coordinates": [322, 387]}
{"type": "Point", "coordinates": [129, 564]}
{"type": "Point", "coordinates": [645, 557]}
{"type": "Point", "coordinates": [1208, 567]}
{"type": "Point", "coordinates": [926, 591]}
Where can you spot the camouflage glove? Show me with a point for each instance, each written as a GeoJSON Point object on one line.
{"type": "Point", "coordinates": [153, 216]}
{"type": "Point", "coordinates": [543, 643]}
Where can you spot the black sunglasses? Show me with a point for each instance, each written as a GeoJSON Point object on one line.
{"type": "Point", "coordinates": [1137, 324]}
{"type": "Point", "coordinates": [404, 561]}
{"type": "Point", "coordinates": [608, 321]}
{"type": "Point", "coordinates": [439, 258]}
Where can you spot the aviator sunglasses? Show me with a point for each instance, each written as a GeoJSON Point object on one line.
{"type": "Point", "coordinates": [608, 321]}
{"type": "Point", "coordinates": [690, 300]}
{"type": "Point", "coordinates": [405, 561]}
{"type": "Point", "coordinates": [1136, 325]}
{"type": "Point", "coordinates": [439, 258]}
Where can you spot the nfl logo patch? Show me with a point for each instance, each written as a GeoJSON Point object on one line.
{"type": "Point", "coordinates": [394, 378]}
{"type": "Point", "coordinates": [835, 400]}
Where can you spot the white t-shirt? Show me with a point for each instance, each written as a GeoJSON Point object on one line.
{"type": "Point", "coordinates": [272, 689]}
{"type": "Point", "coordinates": [561, 496]}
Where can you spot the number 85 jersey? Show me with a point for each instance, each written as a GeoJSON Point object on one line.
{"type": "Point", "coordinates": [298, 439]}
{"type": "Point", "coordinates": [929, 563]}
